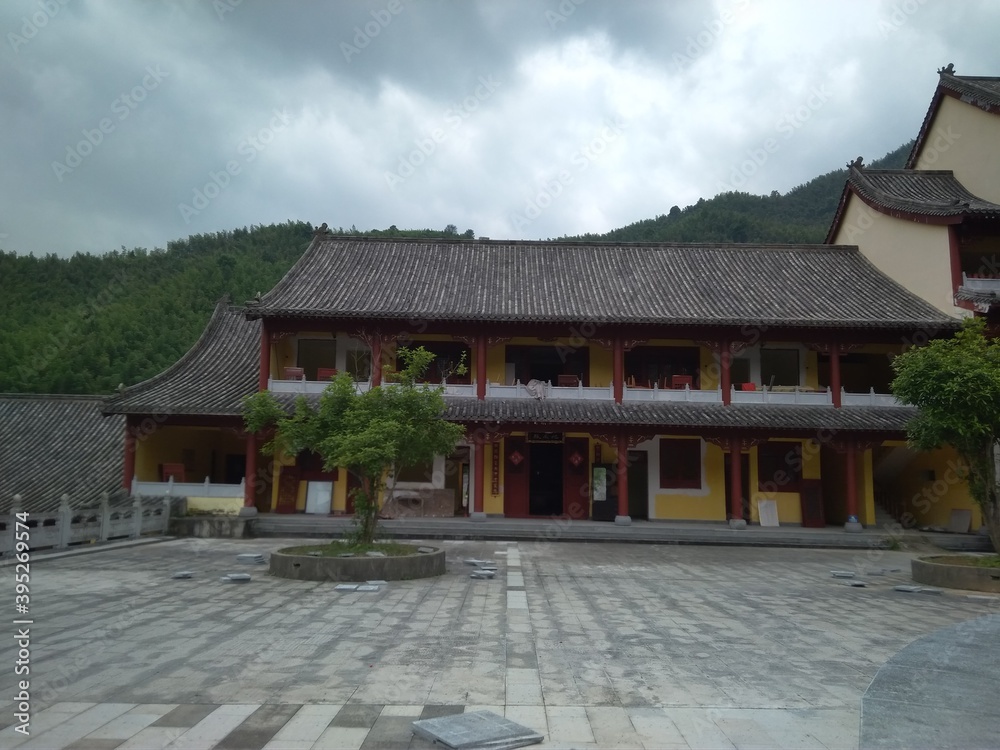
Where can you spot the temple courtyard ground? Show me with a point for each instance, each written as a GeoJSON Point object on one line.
{"type": "Point", "coordinates": [592, 645]}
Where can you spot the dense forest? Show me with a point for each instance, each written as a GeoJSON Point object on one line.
{"type": "Point", "coordinates": [86, 323]}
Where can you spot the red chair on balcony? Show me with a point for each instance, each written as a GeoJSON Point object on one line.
{"type": "Point", "coordinates": [748, 386]}
{"type": "Point", "coordinates": [567, 381]}
{"type": "Point", "coordinates": [326, 373]}
{"type": "Point", "coordinates": [679, 382]}
{"type": "Point", "coordinates": [294, 373]}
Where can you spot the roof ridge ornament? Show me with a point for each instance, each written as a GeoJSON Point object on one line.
{"type": "Point", "coordinates": [324, 229]}
{"type": "Point", "coordinates": [949, 69]}
{"type": "Point", "coordinates": [858, 163]}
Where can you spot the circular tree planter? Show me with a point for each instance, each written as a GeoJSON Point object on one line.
{"type": "Point", "coordinates": [937, 571]}
{"type": "Point", "coordinates": [301, 567]}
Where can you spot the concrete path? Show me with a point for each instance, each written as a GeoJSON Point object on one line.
{"type": "Point", "coordinates": [600, 646]}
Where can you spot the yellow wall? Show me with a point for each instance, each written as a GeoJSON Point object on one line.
{"type": "Point", "coordinates": [167, 444]}
{"type": "Point", "coordinates": [688, 505]}
{"type": "Point", "coordinates": [215, 505]}
{"type": "Point", "coordinates": [915, 255]}
{"type": "Point", "coordinates": [963, 139]}
{"type": "Point", "coordinates": [789, 504]}
{"type": "Point", "coordinates": [931, 501]}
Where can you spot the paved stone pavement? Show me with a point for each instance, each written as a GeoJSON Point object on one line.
{"type": "Point", "coordinates": [603, 645]}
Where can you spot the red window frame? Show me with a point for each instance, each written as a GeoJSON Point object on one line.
{"type": "Point", "coordinates": [680, 463]}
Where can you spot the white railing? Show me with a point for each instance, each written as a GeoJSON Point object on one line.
{"type": "Point", "coordinates": [68, 526]}
{"type": "Point", "coordinates": [540, 390]}
{"type": "Point", "coordinates": [316, 387]}
{"type": "Point", "coordinates": [980, 285]}
{"type": "Point", "coordinates": [868, 399]}
{"type": "Point", "coordinates": [672, 394]}
{"type": "Point", "coordinates": [783, 395]}
{"type": "Point", "coordinates": [170, 488]}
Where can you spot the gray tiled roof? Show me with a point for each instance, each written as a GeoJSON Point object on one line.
{"type": "Point", "coordinates": [210, 379]}
{"type": "Point", "coordinates": [927, 193]}
{"type": "Point", "coordinates": [977, 90]}
{"type": "Point", "coordinates": [51, 445]}
{"type": "Point", "coordinates": [778, 417]}
{"type": "Point", "coordinates": [659, 284]}
{"type": "Point", "coordinates": [982, 299]}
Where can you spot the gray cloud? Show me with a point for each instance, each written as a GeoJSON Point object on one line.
{"type": "Point", "coordinates": [134, 124]}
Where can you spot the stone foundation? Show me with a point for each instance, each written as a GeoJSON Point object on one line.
{"type": "Point", "coordinates": [213, 527]}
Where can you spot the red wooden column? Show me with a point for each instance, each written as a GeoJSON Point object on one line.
{"type": "Point", "coordinates": [618, 354]}
{"type": "Point", "coordinates": [130, 447]}
{"type": "Point", "coordinates": [478, 480]}
{"type": "Point", "coordinates": [265, 356]}
{"type": "Point", "coordinates": [725, 379]}
{"type": "Point", "coordinates": [250, 475]}
{"type": "Point", "coordinates": [736, 519]}
{"type": "Point", "coordinates": [481, 367]}
{"type": "Point", "coordinates": [835, 374]}
{"type": "Point", "coordinates": [623, 516]}
{"type": "Point", "coordinates": [376, 360]}
{"type": "Point", "coordinates": [851, 469]}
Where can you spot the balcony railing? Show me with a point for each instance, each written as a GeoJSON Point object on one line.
{"type": "Point", "coordinates": [171, 488]}
{"type": "Point", "coordinates": [672, 394]}
{"type": "Point", "coordinates": [979, 284]}
{"type": "Point", "coordinates": [542, 390]}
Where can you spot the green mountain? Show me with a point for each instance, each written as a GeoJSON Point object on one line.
{"type": "Point", "coordinates": [803, 214]}
{"type": "Point", "coordinates": [87, 323]}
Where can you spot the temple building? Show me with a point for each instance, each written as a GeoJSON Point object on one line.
{"type": "Point", "coordinates": [680, 382]}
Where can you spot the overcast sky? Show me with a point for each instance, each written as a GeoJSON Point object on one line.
{"type": "Point", "coordinates": [128, 123]}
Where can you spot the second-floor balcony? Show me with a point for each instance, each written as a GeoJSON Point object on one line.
{"type": "Point", "coordinates": [981, 283]}
{"type": "Point", "coordinates": [543, 390]}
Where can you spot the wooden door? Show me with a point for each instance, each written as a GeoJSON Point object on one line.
{"type": "Point", "coordinates": [576, 477]}
{"type": "Point", "coordinates": [288, 489]}
{"type": "Point", "coordinates": [516, 476]}
{"type": "Point", "coordinates": [812, 504]}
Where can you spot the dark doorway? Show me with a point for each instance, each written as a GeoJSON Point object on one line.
{"type": "Point", "coordinates": [638, 484]}
{"type": "Point", "coordinates": [545, 495]}
{"type": "Point", "coordinates": [236, 468]}
{"type": "Point", "coordinates": [744, 486]}
{"type": "Point", "coordinates": [549, 362]}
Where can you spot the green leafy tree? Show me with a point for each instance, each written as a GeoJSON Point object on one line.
{"type": "Point", "coordinates": [397, 425]}
{"type": "Point", "coordinates": [956, 385]}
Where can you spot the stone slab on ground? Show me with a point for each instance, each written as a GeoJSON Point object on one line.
{"type": "Point", "coordinates": [480, 729]}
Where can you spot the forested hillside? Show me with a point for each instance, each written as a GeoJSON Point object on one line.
{"type": "Point", "coordinates": [803, 214]}
{"type": "Point", "coordinates": [87, 323]}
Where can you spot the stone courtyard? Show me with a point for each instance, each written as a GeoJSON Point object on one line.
{"type": "Point", "coordinates": [592, 645]}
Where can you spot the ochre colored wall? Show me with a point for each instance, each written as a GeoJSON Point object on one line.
{"type": "Point", "coordinates": [915, 255]}
{"type": "Point", "coordinates": [963, 139]}
{"type": "Point", "coordinates": [166, 445]}
{"type": "Point", "coordinates": [217, 505]}
{"type": "Point", "coordinates": [931, 501]}
{"type": "Point", "coordinates": [708, 504]}
{"type": "Point", "coordinates": [789, 504]}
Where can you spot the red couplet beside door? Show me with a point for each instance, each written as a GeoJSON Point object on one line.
{"type": "Point", "coordinates": [576, 477]}
{"type": "Point", "coordinates": [516, 477]}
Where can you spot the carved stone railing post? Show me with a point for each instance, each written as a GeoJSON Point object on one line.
{"type": "Point", "coordinates": [65, 522]}
{"type": "Point", "coordinates": [105, 517]}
